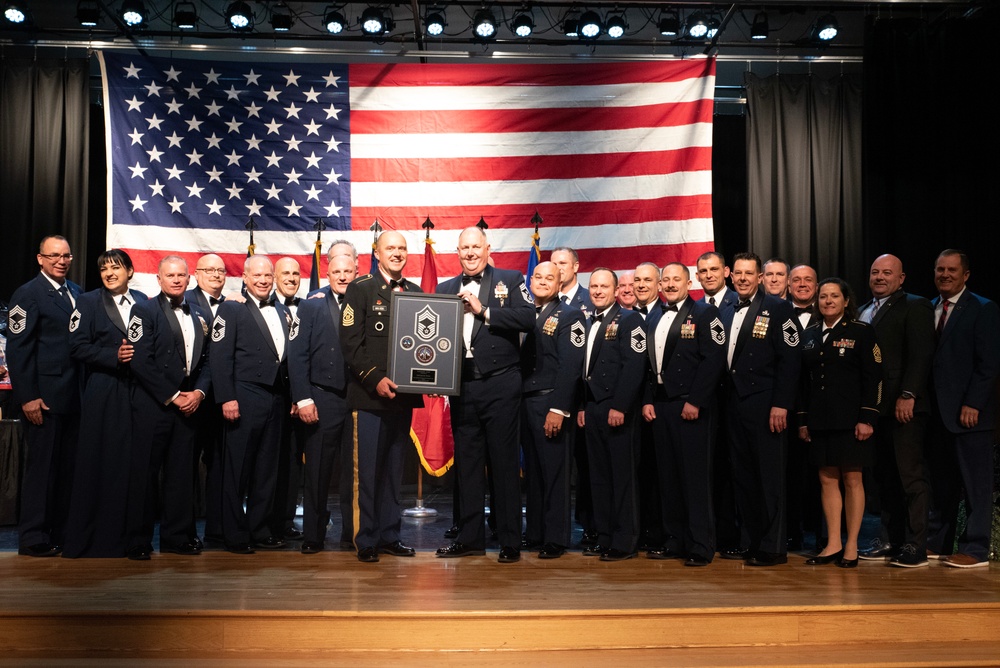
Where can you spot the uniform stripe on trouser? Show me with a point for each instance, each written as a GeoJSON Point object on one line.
{"type": "Point", "coordinates": [355, 501]}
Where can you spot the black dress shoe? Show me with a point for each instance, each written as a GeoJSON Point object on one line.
{"type": "Point", "coordinates": [530, 545]}
{"type": "Point", "coordinates": [140, 553]}
{"type": "Point", "coordinates": [397, 549]}
{"type": "Point", "coordinates": [452, 533]}
{"type": "Point", "coordinates": [509, 555]}
{"type": "Point", "coordinates": [589, 538]}
{"type": "Point", "coordinates": [239, 548]}
{"type": "Point", "coordinates": [617, 555]}
{"type": "Point", "coordinates": [594, 550]}
{"type": "Point", "coordinates": [878, 551]}
{"type": "Point", "coordinates": [311, 547]}
{"type": "Point", "coordinates": [292, 534]}
{"type": "Point", "coordinates": [820, 560]}
{"type": "Point", "coordinates": [459, 550]}
{"type": "Point", "coordinates": [697, 560]}
{"type": "Point", "coordinates": [196, 542]}
{"type": "Point", "coordinates": [368, 555]}
{"type": "Point", "coordinates": [847, 563]}
{"type": "Point", "coordinates": [766, 559]}
{"type": "Point", "coordinates": [551, 551]}
{"type": "Point", "coordinates": [40, 550]}
{"type": "Point", "coordinates": [663, 553]}
{"type": "Point", "coordinates": [734, 553]}
{"type": "Point", "coordinates": [270, 543]}
{"type": "Point", "coordinates": [189, 549]}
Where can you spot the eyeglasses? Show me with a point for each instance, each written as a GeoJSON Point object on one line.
{"type": "Point", "coordinates": [57, 256]}
{"type": "Point", "coordinates": [212, 271]}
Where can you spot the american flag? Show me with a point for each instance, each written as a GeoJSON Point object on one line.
{"type": "Point", "coordinates": [615, 158]}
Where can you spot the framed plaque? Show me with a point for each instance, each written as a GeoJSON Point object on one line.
{"type": "Point", "coordinates": [425, 351]}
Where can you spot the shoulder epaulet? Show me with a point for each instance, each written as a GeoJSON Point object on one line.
{"type": "Point", "coordinates": [362, 279]}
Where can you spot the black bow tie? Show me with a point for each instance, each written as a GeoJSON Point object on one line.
{"type": "Point", "coordinates": [182, 305]}
{"type": "Point", "coordinates": [396, 284]}
{"type": "Point", "coordinates": [212, 301]}
{"type": "Point", "coordinates": [743, 304]}
{"type": "Point", "coordinates": [643, 310]}
{"type": "Point", "coordinates": [597, 317]}
{"type": "Point", "coordinates": [466, 279]}
{"type": "Point", "coordinates": [670, 307]}
{"type": "Point", "coordinates": [267, 302]}
{"type": "Point", "coordinates": [291, 301]}
{"type": "Point", "coordinates": [799, 310]}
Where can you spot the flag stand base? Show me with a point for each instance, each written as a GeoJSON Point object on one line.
{"type": "Point", "coordinates": [420, 510]}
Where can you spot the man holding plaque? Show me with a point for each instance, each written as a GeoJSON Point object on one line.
{"type": "Point", "coordinates": [380, 416]}
{"type": "Point", "coordinates": [484, 418]}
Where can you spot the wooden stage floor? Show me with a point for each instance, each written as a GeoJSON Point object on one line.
{"type": "Point", "coordinates": [288, 609]}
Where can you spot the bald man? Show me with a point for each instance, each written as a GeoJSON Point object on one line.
{"type": "Point", "coordinates": [904, 325]}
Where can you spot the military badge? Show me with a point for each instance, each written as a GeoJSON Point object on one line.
{"type": "Point", "coordinates": [718, 332]}
{"type": "Point", "coordinates": [293, 329]}
{"type": "Point", "coordinates": [74, 320]}
{"type": "Point", "coordinates": [218, 329]}
{"type": "Point", "coordinates": [426, 325]}
{"type": "Point", "coordinates": [550, 325]}
{"type": "Point", "coordinates": [877, 354]}
{"type": "Point", "coordinates": [760, 327]}
{"type": "Point", "coordinates": [611, 333]}
{"type": "Point", "coordinates": [578, 334]}
{"type": "Point", "coordinates": [17, 320]}
{"type": "Point", "coordinates": [134, 329]}
{"type": "Point", "coordinates": [688, 330]}
{"type": "Point", "coordinates": [500, 292]}
{"type": "Point", "coordinates": [790, 333]}
{"type": "Point", "coordinates": [348, 317]}
{"type": "Point", "coordinates": [638, 340]}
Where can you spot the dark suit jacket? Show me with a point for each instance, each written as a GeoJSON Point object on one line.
{"type": "Point", "coordinates": [617, 370]}
{"type": "Point", "coordinates": [904, 327]}
{"type": "Point", "coordinates": [766, 360]}
{"type": "Point", "coordinates": [314, 353]}
{"type": "Point", "coordinates": [243, 351]}
{"type": "Point", "coordinates": [497, 345]}
{"type": "Point", "coordinates": [729, 298]}
{"type": "Point", "coordinates": [694, 355]}
{"type": "Point", "coordinates": [967, 362]}
{"type": "Point", "coordinates": [841, 377]}
{"type": "Point", "coordinates": [197, 297]}
{"type": "Point", "coordinates": [364, 340]}
{"type": "Point", "coordinates": [97, 331]}
{"type": "Point", "coordinates": [38, 357]}
{"type": "Point", "coordinates": [158, 362]}
{"type": "Point", "coordinates": [581, 301]}
{"type": "Point", "coordinates": [552, 355]}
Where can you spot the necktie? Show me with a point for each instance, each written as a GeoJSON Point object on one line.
{"type": "Point", "coordinates": [743, 304]}
{"type": "Point", "coordinates": [564, 299]}
{"type": "Point", "coordinates": [64, 293]}
{"type": "Point", "coordinates": [340, 300]}
{"type": "Point", "coordinates": [826, 334]}
{"type": "Point", "coordinates": [471, 279]}
{"type": "Point", "coordinates": [538, 310]}
{"type": "Point", "coordinates": [944, 316]}
{"type": "Point", "coordinates": [711, 300]}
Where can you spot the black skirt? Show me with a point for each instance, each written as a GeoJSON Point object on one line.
{"type": "Point", "coordinates": [838, 447]}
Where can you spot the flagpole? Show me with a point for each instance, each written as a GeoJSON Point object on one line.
{"type": "Point", "coordinates": [419, 510]}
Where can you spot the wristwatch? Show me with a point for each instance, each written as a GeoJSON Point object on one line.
{"type": "Point", "coordinates": [908, 395]}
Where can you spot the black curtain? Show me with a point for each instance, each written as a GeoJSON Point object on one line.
{"type": "Point", "coordinates": [729, 184]}
{"type": "Point", "coordinates": [931, 143]}
{"type": "Point", "coordinates": [804, 171]}
{"type": "Point", "coordinates": [44, 144]}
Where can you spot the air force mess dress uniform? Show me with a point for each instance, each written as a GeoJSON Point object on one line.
{"type": "Point", "coordinates": [97, 329]}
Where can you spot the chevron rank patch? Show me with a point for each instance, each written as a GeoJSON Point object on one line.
{"type": "Point", "coordinates": [790, 333]}
{"type": "Point", "coordinates": [293, 329]}
{"type": "Point", "coordinates": [218, 329]}
{"type": "Point", "coordinates": [348, 318]}
{"type": "Point", "coordinates": [134, 329]}
{"type": "Point", "coordinates": [74, 320]}
{"type": "Point", "coordinates": [638, 340]}
{"type": "Point", "coordinates": [877, 354]}
{"type": "Point", "coordinates": [17, 320]}
{"type": "Point", "coordinates": [578, 334]}
{"type": "Point", "coordinates": [718, 332]}
{"type": "Point", "coordinates": [525, 293]}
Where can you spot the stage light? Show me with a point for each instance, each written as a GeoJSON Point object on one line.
{"type": "Point", "coordinates": [484, 24]}
{"type": "Point", "coordinates": [713, 28]}
{"type": "Point", "coordinates": [697, 26]}
{"type": "Point", "coordinates": [133, 13]}
{"type": "Point", "coordinates": [185, 15]}
{"type": "Point", "coordinates": [334, 22]}
{"type": "Point", "coordinates": [616, 26]}
{"type": "Point", "coordinates": [759, 29]}
{"type": "Point", "coordinates": [571, 27]}
{"type": "Point", "coordinates": [15, 12]}
{"type": "Point", "coordinates": [523, 25]}
{"type": "Point", "coordinates": [590, 25]}
{"type": "Point", "coordinates": [826, 28]}
{"type": "Point", "coordinates": [434, 23]}
{"type": "Point", "coordinates": [281, 18]}
{"type": "Point", "coordinates": [670, 24]}
{"type": "Point", "coordinates": [239, 16]}
{"type": "Point", "coordinates": [374, 22]}
{"type": "Point", "coordinates": [88, 13]}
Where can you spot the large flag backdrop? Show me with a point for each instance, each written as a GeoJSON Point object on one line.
{"type": "Point", "coordinates": [615, 158]}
